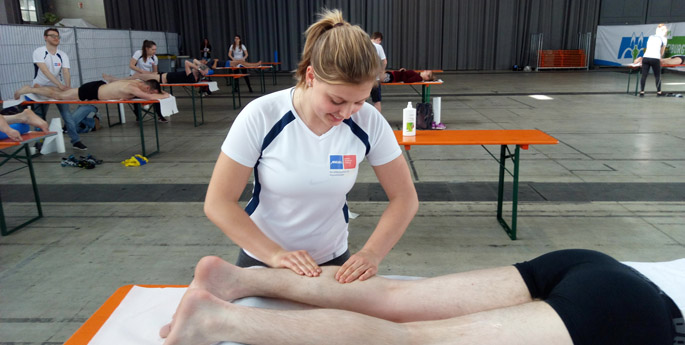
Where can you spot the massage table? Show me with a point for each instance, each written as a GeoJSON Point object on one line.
{"type": "Point", "coordinates": [520, 138]}
{"type": "Point", "coordinates": [425, 88]}
{"type": "Point", "coordinates": [134, 314]}
{"type": "Point", "coordinates": [211, 85]}
{"type": "Point", "coordinates": [273, 70]}
{"type": "Point", "coordinates": [167, 105]}
{"type": "Point", "coordinates": [259, 68]}
{"type": "Point", "coordinates": [17, 148]}
{"type": "Point", "coordinates": [638, 67]}
{"type": "Point", "coordinates": [233, 78]}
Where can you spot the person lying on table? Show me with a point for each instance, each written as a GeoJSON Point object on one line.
{"type": "Point", "coordinates": [194, 71]}
{"type": "Point", "coordinates": [232, 63]}
{"type": "Point", "coordinates": [673, 60]}
{"type": "Point", "coordinates": [8, 124]}
{"type": "Point", "coordinates": [404, 75]}
{"type": "Point", "coordinates": [565, 297]}
{"type": "Point", "coordinates": [100, 90]}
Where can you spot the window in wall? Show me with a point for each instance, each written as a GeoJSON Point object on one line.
{"type": "Point", "coordinates": [28, 11]}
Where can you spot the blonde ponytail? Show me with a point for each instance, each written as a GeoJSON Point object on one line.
{"type": "Point", "coordinates": [339, 53]}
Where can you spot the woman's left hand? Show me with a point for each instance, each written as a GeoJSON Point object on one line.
{"type": "Point", "coordinates": [362, 265]}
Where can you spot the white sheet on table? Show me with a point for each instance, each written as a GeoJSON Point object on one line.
{"type": "Point", "coordinates": [168, 105]}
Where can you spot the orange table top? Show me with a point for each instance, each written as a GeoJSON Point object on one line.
{"type": "Point", "coordinates": [238, 75]}
{"type": "Point", "coordinates": [257, 67]}
{"type": "Point", "coordinates": [26, 137]}
{"type": "Point", "coordinates": [199, 84]}
{"type": "Point", "coordinates": [88, 330]}
{"type": "Point", "coordinates": [521, 137]}
{"type": "Point", "coordinates": [435, 82]}
{"type": "Point", "coordinates": [270, 63]}
{"type": "Point", "coordinates": [110, 101]}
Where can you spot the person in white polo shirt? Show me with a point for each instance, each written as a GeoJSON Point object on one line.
{"type": "Point", "coordinates": [51, 68]}
{"type": "Point", "coordinates": [305, 146]}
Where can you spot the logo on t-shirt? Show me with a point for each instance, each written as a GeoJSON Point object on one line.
{"type": "Point", "coordinates": [57, 64]}
{"type": "Point", "coordinates": [339, 163]}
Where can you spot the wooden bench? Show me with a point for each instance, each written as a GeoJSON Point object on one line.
{"type": "Point", "coordinates": [23, 145]}
{"type": "Point", "coordinates": [259, 68]}
{"type": "Point", "coordinates": [520, 138]}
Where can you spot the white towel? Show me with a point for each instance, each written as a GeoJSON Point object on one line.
{"type": "Point", "coordinates": [211, 84]}
{"type": "Point", "coordinates": [168, 106]}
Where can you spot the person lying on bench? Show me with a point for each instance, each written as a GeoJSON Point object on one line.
{"type": "Point", "coordinates": [565, 297]}
{"type": "Point", "coordinates": [404, 75]}
{"type": "Point", "coordinates": [233, 63]}
{"type": "Point", "coordinates": [194, 71]}
{"type": "Point", "coordinates": [100, 90]}
{"type": "Point", "coordinates": [9, 128]}
{"type": "Point", "coordinates": [673, 60]}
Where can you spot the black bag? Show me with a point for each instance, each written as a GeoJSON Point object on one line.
{"type": "Point", "coordinates": [424, 116]}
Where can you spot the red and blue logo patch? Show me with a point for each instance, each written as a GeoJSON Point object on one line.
{"type": "Point", "coordinates": [340, 162]}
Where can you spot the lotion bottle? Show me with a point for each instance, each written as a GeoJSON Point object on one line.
{"type": "Point", "coordinates": [409, 121]}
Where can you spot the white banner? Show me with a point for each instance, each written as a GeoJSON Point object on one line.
{"type": "Point", "coordinates": [618, 45]}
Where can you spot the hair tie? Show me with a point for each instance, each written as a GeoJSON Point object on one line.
{"type": "Point", "coordinates": [339, 24]}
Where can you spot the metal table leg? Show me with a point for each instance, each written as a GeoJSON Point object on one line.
{"type": "Point", "coordinates": [15, 155]}
{"type": "Point", "coordinates": [510, 230]}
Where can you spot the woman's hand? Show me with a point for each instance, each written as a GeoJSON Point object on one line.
{"type": "Point", "coordinates": [298, 261]}
{"type": "Point", "coordinates": [362, 265]}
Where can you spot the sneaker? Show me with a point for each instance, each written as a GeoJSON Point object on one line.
{"type": "Point", "coordinates": [85, 164]}
{"type": "Point", "coordinates": [162, 119]}
{"type": "Point", "coordinates": [69, 162]}
{"type": "Point", "coordinates": [79, 146]}
{"type": "Point", "coordinates": [38, 146]}
{"type": "Point", "coordinates": [97, 123]}
{"type": "Point", "coordinates": [91, 159]}
{"type": "Point", "coordinates": [438, 125]}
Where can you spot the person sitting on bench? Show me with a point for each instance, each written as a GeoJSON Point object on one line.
{"type": "Point", "coordinates": [100, 90]}
{"type": "Point", "coordinates": [566, 297]}
{"type": "Point", "coordinates": [9, 128]}
{"type": "Point", "coordinates": [404, 75]}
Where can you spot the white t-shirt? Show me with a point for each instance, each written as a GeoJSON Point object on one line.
{"type": "Point", "coordinates": [654, 44]}
{"type": "Point", "coordinates": [237, 53]}
{"type": "Point", "coordinates": [668, 276]}
{"type": "Point", "coordinates": [144, 65]}
{"type": "Point", "coordinates": [302, 179]}
{"type": "Point", "coordinates": [379, 50]}
{"type": "Point", "coordinates": [55, 63]}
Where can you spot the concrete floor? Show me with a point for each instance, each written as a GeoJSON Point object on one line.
{"type": "Point", "coordinates": [57, 271]}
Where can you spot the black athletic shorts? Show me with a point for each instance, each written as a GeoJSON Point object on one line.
{"type": "Point", "coordinates": [601, 300]}
{"type": "Point", "coordinates": [376, 93]}
{"type": "Point", "coordinates": [180, 78]}
{"type": "Point", "coordinates": [89, 91]}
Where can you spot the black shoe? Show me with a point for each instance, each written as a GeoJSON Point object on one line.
{"type": "Point", "coordinates": [38, 146]}
{"type": "Point", "coordinates": [162, 119]}
{"type": "Point", "coordinates": [642, 94]}
{"type": "Point", "coordinates": [79, 146]}
{"type": "Point", "coordinates": [660, 94]}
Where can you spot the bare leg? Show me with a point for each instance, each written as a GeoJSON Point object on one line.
{"type": "Point", "coordinates": [28, 117]}
{"type": "Point", "coordinates": [204, 319]}
{"type": "Point", "coordinates": [235, 63]}
{"type": "Point", "coordinates": [395, 300]}
{"type": "Point", "coordinates": [11, 132]}
{"type": "Point", "coordinates": [48, 91]}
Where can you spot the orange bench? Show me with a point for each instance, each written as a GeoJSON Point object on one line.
{"type": "Point", "coordinates": [425, 88]}
{"type": "Point", "coordinates": [261, 73]}
{"type": "Point", "coordinates": [23, 145]}
{"type": "Point", "coordinates": [521, 138]}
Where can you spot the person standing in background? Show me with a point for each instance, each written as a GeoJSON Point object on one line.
{"type": "Point", "coordinates": [656, 46]}
{"type": "Point", "coordinates": [51, 66]}
{"type": "Point", "coordinates": [237, 52]}
{"type": "Point", "coordinates": [206, 49]}
{"type": "Point", "coordinates": [145, 60]}
{"type": "Point", "coordinates": [376, 39]}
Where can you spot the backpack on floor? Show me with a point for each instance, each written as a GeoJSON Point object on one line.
{"type": "Point", "coordinates": [424, 116]}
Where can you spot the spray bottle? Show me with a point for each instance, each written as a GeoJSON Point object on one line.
{"type": "Point", "coordinates": [409, 121]}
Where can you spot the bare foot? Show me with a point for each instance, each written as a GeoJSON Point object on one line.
{"type": "Point", "coordinates": [30, 118]}
{"type": "Point", "coordinates": [109, 78]}
{"type": "Point", "coordinates": [220, 278]}
{"type": "Point", "coordinates": [192, 322]}
{"type": "Point", "coordinates": [11, 132]}
{"type": "Point", "coordinates": [24, 90]}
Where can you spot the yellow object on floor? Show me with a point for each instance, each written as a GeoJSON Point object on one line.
{"type": "Point", "coordinates": [135, 161]}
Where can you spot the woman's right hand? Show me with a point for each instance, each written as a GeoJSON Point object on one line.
{"type": "Point", "coordinates": [299, 261]}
